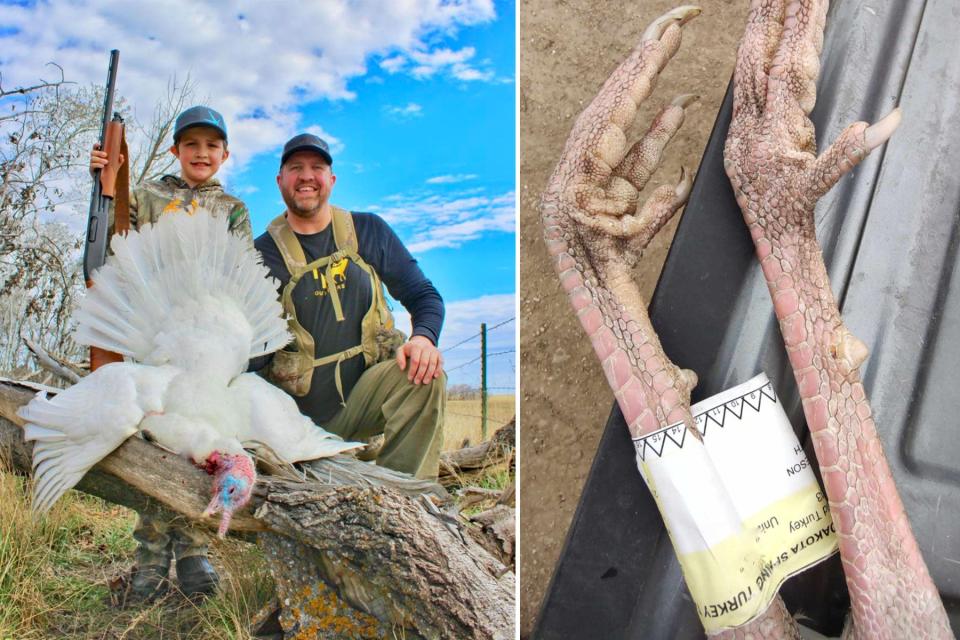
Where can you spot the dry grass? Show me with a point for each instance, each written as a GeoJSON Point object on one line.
{"type": "Point", "coordinates": [463, 425]}
{"type": "Point", "coordinates": [56, 571]}
{"type": "Point", "coordinates": [463, 420]}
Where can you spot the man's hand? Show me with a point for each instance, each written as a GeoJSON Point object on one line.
{"type": "Point", "coordinates": [426, 363]}
{"type": "Point", "coordinates": [98, 158]}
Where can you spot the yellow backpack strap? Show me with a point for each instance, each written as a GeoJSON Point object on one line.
{"type": "Point", "coordinates": [296, 262]}
{"type": "Point", "coordinates": [344, 233]}
{"type": "Point", "coordinates": [332, 262]}
{"type": "Point", "coordinates": [287, 243]}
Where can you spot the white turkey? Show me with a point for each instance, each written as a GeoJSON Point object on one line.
{"type": "Point", "coordinates": [187, 304]}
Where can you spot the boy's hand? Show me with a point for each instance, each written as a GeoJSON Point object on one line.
{"type": "Point", "coordinates": [426, 363]}
{"type": "Point", "coordinates": [98, 158]}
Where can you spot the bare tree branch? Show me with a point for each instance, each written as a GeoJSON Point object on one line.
{"type": "Point", "coordinates": [153, 161]}
{"type": "Point", "coordinates": [50, 363]}
{"type": "Point", "coordinates": [43, 84]}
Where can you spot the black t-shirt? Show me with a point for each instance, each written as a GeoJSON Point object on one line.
{"type": "Point", "coordinates": [379, 247]}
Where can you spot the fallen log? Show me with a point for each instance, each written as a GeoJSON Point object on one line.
{"type": "Point", "coordinates": [460, 466]}
{"type": "Point", "coordinates": [499, 537]}
{"type": "Point", "coordinates": [341, 545]}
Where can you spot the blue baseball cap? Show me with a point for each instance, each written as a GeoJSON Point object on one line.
{"type": "Point", "coordinates": [199, 116]}
{"type": "Point", "coordinates": [306, 142]}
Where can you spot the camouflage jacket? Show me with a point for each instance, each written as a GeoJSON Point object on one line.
{"type": "Point", "coordinates": [150, 200]}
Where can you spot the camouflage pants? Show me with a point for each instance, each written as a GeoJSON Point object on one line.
{"type": "Point", "coordinates": [410, 416]}
{"type": "Point", "coordinates": [159, 538]}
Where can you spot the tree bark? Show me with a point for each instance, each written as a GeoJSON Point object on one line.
{"type": "Point", "coordinates": [379, 551]}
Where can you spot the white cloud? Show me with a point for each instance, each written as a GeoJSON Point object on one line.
{"type": "Point", "coordinates": [393, 64]}
{"type": "Point", "coordinates": [429, 63]}
{"type": "Point", "coordinates": [244, 190]}
{"type": "Point", "coordinates": [462, 72]}
{"type": "Point", "coordinates": [452, 178]}
{"type": "Point", "coordinates": [335, 143]}
{"type": "Point", "coordinates": [424, 64]}
{"type": "Point", "coordinates": [411, 110]}
{"type": "Point", "coordinates": [257, 62]}
{"type": "Point", "coordinates": [430, 220]}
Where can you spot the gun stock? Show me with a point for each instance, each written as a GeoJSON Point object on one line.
{"type": "Point", "coordinates": [112, 142]}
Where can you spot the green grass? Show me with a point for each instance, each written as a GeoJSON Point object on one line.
{"type": "Point", "coordinates": [56, 573]}
{"type": "Point", "coordinates": [496, 479]}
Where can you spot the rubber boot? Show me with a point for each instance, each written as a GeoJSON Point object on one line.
{"type": "Point", "coordinates": [196, 576]}
{"type": "Point", "coordinates": [150, 576]}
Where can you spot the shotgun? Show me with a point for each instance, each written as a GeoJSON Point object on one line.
{"type": "Point", "coordinates": [110, 186]}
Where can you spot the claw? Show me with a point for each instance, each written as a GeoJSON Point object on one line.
{"type": "Point", "coordinates": [879, 132]}
{"type": "Point", "coordinates": [684, 185]}
{"type": "Point", "coordinates": [685, 100]}
{"type": "Point", "coordinates": [850, 351]}
{"type": "Point", "coordinates": [681, 15]}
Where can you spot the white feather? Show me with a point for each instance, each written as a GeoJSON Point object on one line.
{"type": "Point", "coordinates": [192, 303]}
{"type": "Point", "coordinates": [275, 420]}
{"type": "Point", "coordinates": [183, 280]}
{"type": "Point", "coordinates": [81, 425]}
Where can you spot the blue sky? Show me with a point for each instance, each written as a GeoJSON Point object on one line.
{"type": "Point", "coordinates": [416, 99]}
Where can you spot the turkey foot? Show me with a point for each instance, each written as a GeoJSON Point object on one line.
{"type": "Point", "coordinates": [596, 228]}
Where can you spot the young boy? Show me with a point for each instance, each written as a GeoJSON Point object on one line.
{"type": "Point", "coordinates": [200, 143]}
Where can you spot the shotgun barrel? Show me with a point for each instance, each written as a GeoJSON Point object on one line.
{"type": "Point", "coordinates": [104, 181]}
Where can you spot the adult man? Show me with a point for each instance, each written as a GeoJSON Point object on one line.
{"type": "Point", "coordinates": [331, 263]}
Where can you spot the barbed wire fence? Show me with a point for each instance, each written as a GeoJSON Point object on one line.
{"type": "Point", "coordinates": [482, 363]}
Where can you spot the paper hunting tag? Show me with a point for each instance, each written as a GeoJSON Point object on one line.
{"type": "Point", "coordinates": [741, 505]}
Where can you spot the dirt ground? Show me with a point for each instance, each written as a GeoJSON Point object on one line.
{"type": "Point", "coordinates": [567, 49]}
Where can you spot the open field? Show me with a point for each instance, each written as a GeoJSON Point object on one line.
{"type": "Point", "coordinates": [463, 419]}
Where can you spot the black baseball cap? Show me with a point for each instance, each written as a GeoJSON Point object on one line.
{"type": "Point", "coordinates": [306, 142]}
{"type": "Point", "coordinates": [199, 116]}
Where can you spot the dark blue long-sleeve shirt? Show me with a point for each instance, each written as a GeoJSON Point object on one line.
{"type": "Point", "coordinates": [379, 247]}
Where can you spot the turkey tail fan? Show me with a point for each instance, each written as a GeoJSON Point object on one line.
{"type": "Point", "coordinates": [166, 272]}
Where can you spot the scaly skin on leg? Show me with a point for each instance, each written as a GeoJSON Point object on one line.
{"type": "Point", "coordinates": [777, 178]}
{"type": "Point", "coordinates": [595, 229]}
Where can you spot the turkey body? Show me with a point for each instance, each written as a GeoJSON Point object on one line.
{"type": "Point", "coordinates": [187, 304]}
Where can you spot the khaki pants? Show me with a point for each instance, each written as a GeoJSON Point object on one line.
{"type": "Point", "coordinates": [410, 416]}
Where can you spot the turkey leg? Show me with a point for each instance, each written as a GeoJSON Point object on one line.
{"type": "Point", "coordinates": [596, 229]}
{"type": "Point", "coordinates": [777, 177]}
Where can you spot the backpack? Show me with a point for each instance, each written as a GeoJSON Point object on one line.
{"type": "Point", "coordinates": [292, 367]}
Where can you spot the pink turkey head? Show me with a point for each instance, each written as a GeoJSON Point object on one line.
{"type": "Point", "coordinates": [233, 479]}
